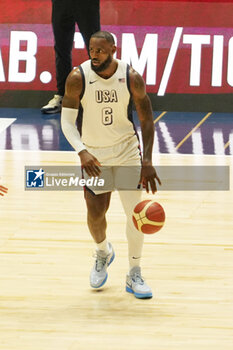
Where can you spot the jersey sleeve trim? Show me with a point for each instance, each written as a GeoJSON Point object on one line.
{"type": "Point", "coordinates": [127, 78]}
{"type": "Point", "coordinates": [83, 80]}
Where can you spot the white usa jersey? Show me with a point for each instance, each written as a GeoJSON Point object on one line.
{"type": "Point", "coordinates": [105, 117]}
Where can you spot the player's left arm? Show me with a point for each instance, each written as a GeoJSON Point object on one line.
{"type": "Point", "coordinates": [144, 111]}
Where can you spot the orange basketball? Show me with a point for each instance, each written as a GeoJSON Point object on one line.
{"type": "Point", "coordinates": [148, 216]}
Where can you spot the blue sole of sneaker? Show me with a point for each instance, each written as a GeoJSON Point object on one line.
{"type": "Point", "coordinates": [112, 258]}
{"type": "Point", "coordinates": [138, 295]}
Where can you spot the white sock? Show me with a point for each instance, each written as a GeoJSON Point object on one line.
{"type": "Point", "coordinates": [103, 246]}
{"type": "Point", "coordinates": [134, 237]}
{"type": "Point", "coordinates": [135, 244]}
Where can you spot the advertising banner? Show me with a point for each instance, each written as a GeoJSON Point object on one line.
{"type": "Point", "coordinates": [183, 49]}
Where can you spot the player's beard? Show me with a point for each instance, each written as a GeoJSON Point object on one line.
{"type": "Point", "coordinates": [104, 65]}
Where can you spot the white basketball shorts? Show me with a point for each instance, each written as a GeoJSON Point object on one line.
{"type": "Point", "coordinates": [120, 167]}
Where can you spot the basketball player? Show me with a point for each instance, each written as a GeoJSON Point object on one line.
{"type": "Point", "coordinates": [100, 92]}
{"type": "Point", "coordinates": [3, 190]}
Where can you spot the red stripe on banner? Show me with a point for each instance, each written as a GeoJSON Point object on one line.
{"type": "Point", "coordinates": [170, 14]}
{"type": "Point", "coordinates": [140, 19]}
{"type": "Point", "coordinates": [139, 12]}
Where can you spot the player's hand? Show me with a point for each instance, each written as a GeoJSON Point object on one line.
{"type": "Point", "coordinates": [3, 190]}
{"type": "Point", "coordinates": [148, 177]}
{"type": "Point", "coordinates": [89, 163]}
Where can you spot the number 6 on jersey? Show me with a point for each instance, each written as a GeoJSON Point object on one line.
{"type": "Point", "coordinates": [107, 117]}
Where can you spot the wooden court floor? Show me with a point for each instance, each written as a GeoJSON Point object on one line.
{"type": "Point", "coordinates": [46, 256]}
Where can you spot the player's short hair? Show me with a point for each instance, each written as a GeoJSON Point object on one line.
{"type": "Point", "coordinates": [104, 35]}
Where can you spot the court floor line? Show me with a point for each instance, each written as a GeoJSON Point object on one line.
{"type": "Point", "coordinates": [159, 117]}
{"type": "Point", "coordinates": [227, 144]}
{"type": "Point", "coordinates": [194, 129]}
{"type": "Point", "coordinates": [5, 122]}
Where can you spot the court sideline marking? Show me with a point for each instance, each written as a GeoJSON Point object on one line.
{"type": "Point", "coordinates": [5, 122]}
{"type": "Point", "coordinates": [194, 129]}
{"type": "Point", "coordinates": [227, 144]}
{"type": "Point", "coordinates": [160, 116]}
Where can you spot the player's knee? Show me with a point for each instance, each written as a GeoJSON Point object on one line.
{"type": "Point", "coordinates": [96, 214]}
{"type": "Point", "coordinates": [97, 211]}
{"type": "Point", "coordinates": [97, 206]}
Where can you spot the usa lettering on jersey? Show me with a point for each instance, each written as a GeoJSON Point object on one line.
{"type": "Point", "coordinates": [106, 96]}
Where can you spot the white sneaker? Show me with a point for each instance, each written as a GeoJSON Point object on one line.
{"type": "Point", "coordinates": [99, 273]}
{"type": "Point", "coordinates": [53, 106]}
{"type": "Point", "coordinates": [136, 285]}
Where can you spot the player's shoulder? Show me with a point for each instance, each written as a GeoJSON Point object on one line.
{"type": "Point", "coordinates": [78, 72]}
{"type": "Point", "coordinates": [133, 74]}
{"type": "Point", "coordinates": [136, 80]}
{"type": "Point", "coordinates": [74, 79]}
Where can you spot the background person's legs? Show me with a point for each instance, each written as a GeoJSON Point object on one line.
{"type": "Point", "coordinates": [87, 16]}
{"type": "Point", "coordinates": [63, 22]}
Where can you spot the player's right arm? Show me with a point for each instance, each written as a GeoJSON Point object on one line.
{"type": "Point", "coordinates": [70, 105]}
